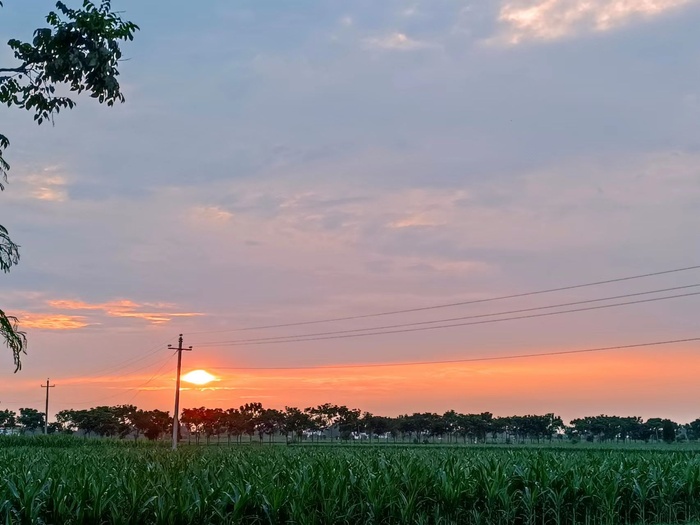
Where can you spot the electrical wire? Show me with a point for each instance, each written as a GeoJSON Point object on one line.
{"type": "Point", "coordinates": [453, 325]}
{"type": "Point", "coordinates": [131, 361]}
{"type": "Point", "coordinates": [450, 305]}
{"type": "Point", "coordinates": [436, 321]}
{"type": "Point", "coordinates": [111, 396]}
{"type": "Point", "coordinates": [156, 374]}
{"type": "Point", "coordinates": [467, 360]}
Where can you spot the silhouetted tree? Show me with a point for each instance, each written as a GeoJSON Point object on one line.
{"type": "Point", "coordinates": [30, 419]}
{"type": "Point", "coordinates": [668, 431]}
{"type": "Point", "coordinates": [296, 422]}
{"type": "Point", "coordinates": [8, 418]}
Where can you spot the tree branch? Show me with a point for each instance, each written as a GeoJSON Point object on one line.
{"type": "Point", "coordinates": [21, 69]}
{"type": "Point", "coordinates": [15, 339]}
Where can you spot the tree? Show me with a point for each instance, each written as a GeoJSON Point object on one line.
{"type": "Point", "coordinates": [250, 413]}
{"type": "Point", "coordinates": [271, 422]}
{"type": "Point", "coordinates": [8, 418]}
{"type": "Point", "coordinates": [15, 339]}
{"type": "Point", "coordinates": [153, 423]}
{"type": "Point", "coordinates": [126, 420]}
{"type": "Point", "coordinates": [654, 426]}
{"type": "Point", "coordinates": [668, 431]}
{"type": "Point", "coordinates": [296, 422]}
{"type": "Point", "coordinates": [102, 420]}
{"type": "Point", "coordinates": [79, 51]}
{"type": "Point", "coordinates": [213, 422]}
{"type": "Point", "coordinates": [694, 427]}
{"type": "Point", "coordinates": [348, 421]}
{"type": "Point", "coordinates": [30, 419]}
{"type": "Point", "coordinates": [67, 420]}
{"type": "Point", "coordinates": [193, 419]}
{"type": "Point", "coordinates": [324, 417]}
{"type": "Point", "coordinates": [54, 427]}
{"type": "Point", "coordinates": [234, 421]}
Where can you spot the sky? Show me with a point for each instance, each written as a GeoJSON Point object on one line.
{"type": "Point", "coordinates": [280, 162]}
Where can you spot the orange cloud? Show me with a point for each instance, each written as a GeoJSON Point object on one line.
{"type": "Point", "coordinates": [125, 308]}
{"type": "Point", "coordinates": [52, 321]}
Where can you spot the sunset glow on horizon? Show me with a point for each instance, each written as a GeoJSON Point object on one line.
{"type": "Point", "coordinates": [573, 386]}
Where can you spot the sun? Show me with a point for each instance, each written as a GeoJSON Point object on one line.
{"type": "Point", "coordinates": [199, 377]}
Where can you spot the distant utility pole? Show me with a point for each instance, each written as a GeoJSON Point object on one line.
{"type": "Point", "coordinates": [176, 424]}
{"type": "Point", "coordinates": [46, 414]}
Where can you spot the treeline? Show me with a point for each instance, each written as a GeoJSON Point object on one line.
{"type": "Point", "coordinates": [333, 422]}
{"type": "Point", "coordinates": [106, 421]}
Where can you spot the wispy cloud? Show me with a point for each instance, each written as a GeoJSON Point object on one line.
{"type": "Point", "coordinates": [210, 214]}
{"type": "Point", "coordinates": [553, 19]}
{"type": "Point", "coordinates": [416, 221]}
{"type": "Point", "coordinates": [125, 309]}
{"type": "Point", "coordinates": [397, 42]}
{"type": "Point", "coordinates": [47, 184]}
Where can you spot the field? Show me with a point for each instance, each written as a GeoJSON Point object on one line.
{"type": "Point", "coordinates": [91, 481]}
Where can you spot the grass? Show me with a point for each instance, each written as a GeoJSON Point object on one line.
{"type": "Point", "coordinates": [69, 480]}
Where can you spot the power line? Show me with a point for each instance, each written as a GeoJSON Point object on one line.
{"type": "Point", "coordinates": [149, 365]}
{"type": "Point", "coordinates": [133, 360]}
{"type": "Point", "coordinates": [453, 325]}
{"type": "Point", "coordinates": [111, 396]}
{"type": "Point", "coordinates": [450, 305]}
{"type": "Point", "coordinates": [469, 360]}
{"type": "Point", "coordinates": [436, 321]}
{"type": "Point", "coordinates": [156, 374]}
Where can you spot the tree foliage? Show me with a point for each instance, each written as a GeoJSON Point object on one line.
{"type": "Point", "coordinates": [15, 339]}
{"type": "Point", "coordinates": [78, 51]}
{"type": "Point", "coordinates": [8, 418]}
{"type": "Point", "coordinates": [30, 419]}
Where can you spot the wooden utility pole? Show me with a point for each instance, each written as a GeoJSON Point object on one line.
{"type": "Point", "coordinates": [46, 414]}
{"type": "Point", "coordinates": [176, 424]}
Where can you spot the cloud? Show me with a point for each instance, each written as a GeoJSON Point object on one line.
{"type": "Point", "coordinates": [416, 221]}
{"type": "Point", "coordinates": [410, 11]}
{"type": "Point", "coordinates": [397, 42]}
{"type": "Point", "coordinates": [45, 185]}
{"type": "Point", "coordinates": [51, 321]}
{"type": "Point", "coordinates": [124, 309]}
{"type": "Point", "coordinates": [554, 19]}
{"type": "Point", "coordinates": [425, 265]}
{"type": "Point", "coordinates": [210, 214]}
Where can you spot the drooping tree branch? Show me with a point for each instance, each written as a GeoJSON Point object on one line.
{"type": "Point", "coordinates": [15, 339]}
{"type": "Point", "coordinates": [9, 251]}
{"type": "Point", "coordinates": [21, 69]}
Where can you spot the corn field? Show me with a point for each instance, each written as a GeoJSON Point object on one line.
{"type": "Point", "coordinates": [72, 482]}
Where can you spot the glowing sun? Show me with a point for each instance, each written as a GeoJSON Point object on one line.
{"type": "Point", "coordinates": [198, 377]}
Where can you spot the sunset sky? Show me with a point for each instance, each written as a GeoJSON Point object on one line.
{"type": "Point", "coordinates": [285, 162]}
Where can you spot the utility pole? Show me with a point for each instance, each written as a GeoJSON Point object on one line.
{"type": "Point", "coordinates": [176, 424]}
{"type": "Point", "coordinates": [46, 414]}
